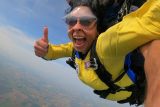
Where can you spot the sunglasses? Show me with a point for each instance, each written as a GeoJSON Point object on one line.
{"type": "Point", "coordinates": [85, 21]}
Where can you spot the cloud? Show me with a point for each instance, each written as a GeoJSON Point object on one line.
{"type": "Point", "coordinates": [18, 46]}
{"type": "Point", "coordinates": [31, 8]}
{"type": "Point", "coordinates": [31, 15]}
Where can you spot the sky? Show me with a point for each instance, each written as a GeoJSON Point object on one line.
{"type": "Point", "coordinates": [22, 22]}
{"type": "Point", "coordinates": [31, 16]}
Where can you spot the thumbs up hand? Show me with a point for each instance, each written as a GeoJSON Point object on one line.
{"type": "Point", "coordinates": [41, 45]}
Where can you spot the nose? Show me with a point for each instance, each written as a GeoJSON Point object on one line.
{"type": "Point", "coordinates": [75, 29]}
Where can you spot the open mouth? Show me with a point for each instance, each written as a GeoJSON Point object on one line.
{"type": "Point", "coordinates": [79, 41]}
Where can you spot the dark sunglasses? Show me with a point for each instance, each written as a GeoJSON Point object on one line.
{"type": "Point", "coordinates": [84, 20]}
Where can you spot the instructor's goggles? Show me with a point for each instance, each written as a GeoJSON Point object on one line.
{"type": "Point", "coordinates": [85, 21]}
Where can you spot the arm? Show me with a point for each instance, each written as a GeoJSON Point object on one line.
{"type": "Point", "coordinates": [151, 52]}
{"type": "Point", "coordinates": [134, 30]}
{"type": "Point", "coordinates": [48, 51]}
{"type": "Point", "coordinates": [59, 51]}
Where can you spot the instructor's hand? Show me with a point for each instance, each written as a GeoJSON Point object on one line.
{"type": "Point", "coordinates": [41, 45]}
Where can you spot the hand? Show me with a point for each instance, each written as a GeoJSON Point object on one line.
{"type": "Point", "coordinates": [41, 45]}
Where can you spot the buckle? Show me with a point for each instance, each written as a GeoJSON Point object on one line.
{"type": "Point", "coordinates": [92, 63]}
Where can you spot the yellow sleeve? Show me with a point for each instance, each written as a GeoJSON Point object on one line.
{"type": "Point", "coordinates": [136, 29]}
{"type": "Point", "coordinates": [59, 51]}
{"type": "Point", "coordinates": [133, 31]}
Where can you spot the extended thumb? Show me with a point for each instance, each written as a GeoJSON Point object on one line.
{"type": "Point", "coordinates": [45, 34]}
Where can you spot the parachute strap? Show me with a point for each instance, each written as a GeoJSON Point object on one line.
{"type": "Point", "coordinates": [134, 67]}
{"type": "Point", "coordinates": [105, 93]}
{"type": "Point", "coordinates": [100, 70]}
{"type": "Point", "coordinates": [71, 60]}
{"type": "Point", "coordinates": [104, 76]}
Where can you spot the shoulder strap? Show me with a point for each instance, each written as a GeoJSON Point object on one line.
{"type": "Point", "coordinates": [102, 73]}
{"type": "Point", "coordinates": [71, 60]}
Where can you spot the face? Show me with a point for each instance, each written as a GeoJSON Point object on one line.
{"type": "Point", "coordinates": [82, 28]}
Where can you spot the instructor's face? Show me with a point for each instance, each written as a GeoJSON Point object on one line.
{"type": "Point", "coordinates": [82, 28]}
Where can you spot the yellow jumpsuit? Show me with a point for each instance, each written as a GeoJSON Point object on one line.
{"type": "Point", "coordinates": [136, 29]}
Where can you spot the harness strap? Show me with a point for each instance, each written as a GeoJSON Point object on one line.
{"type": "Point", "coordinates": [103, 74]}
{"type": "Point", "coordinates": [135, 64]}
{"type": "Point", "coordinates": [71, 60]}
{"type": "Point", "coordinates": [105, 93]}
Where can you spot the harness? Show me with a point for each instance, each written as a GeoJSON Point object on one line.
{"type": "Point", "coordinates": [134, 62]}
{"type": "Point", "coordinates": [133, 67]}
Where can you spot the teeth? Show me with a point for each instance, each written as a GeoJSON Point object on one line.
{"type": "Point", "coordinates": [78, 37]}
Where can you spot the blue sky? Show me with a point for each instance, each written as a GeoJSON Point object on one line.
{"type": "Point", "coordinates": [31, 16]}
{"type": "Point", "coordinates": [22, 22]}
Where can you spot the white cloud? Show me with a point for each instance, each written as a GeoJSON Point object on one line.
{"type": "Point", "coordinates": [17, 46]}
{"type": "Point", "coordinates": [31, 8]}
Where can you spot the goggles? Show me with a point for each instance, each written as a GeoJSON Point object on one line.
{"type": "Point", "coordinates": [85, 21]}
